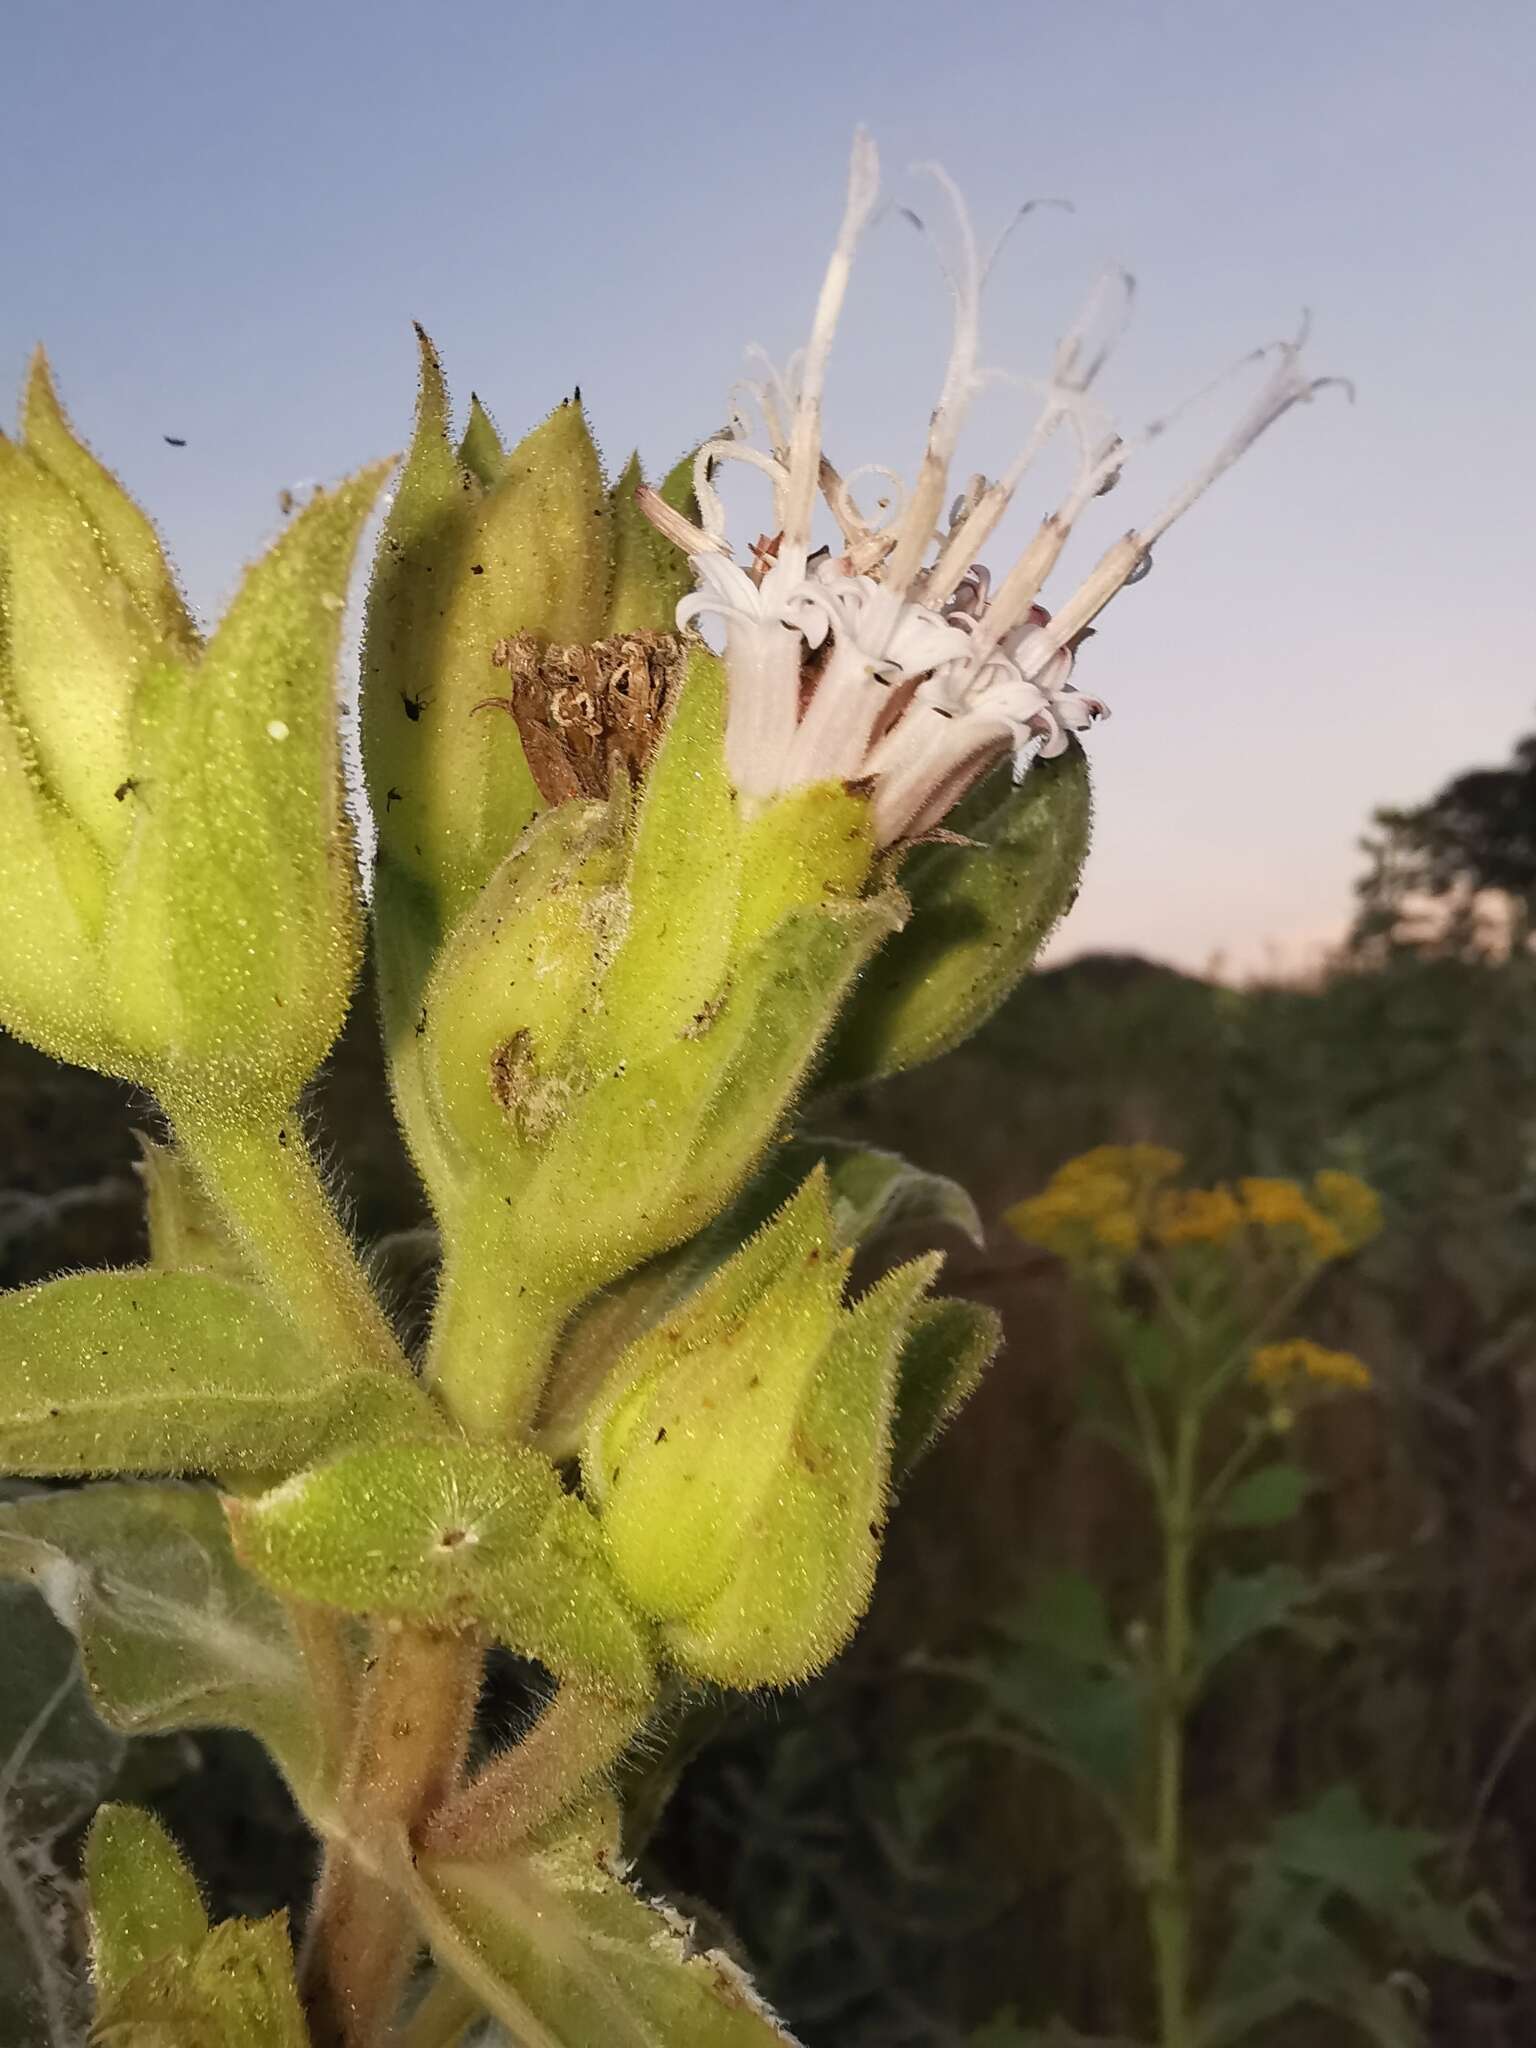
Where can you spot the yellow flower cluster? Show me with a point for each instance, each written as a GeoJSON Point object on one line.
{"type": "Point", "coordinates": [1196, 1216]}
{"type": "Point", "coordinates": [1280, 1365]}
{"type": "Point", "coordinates": [1113, 1200]}
{"type": "Point", "coordinates": [1096, 1203]}
{"type": "Point", "coordinates": [1349, 1204]}
{"type": "Point", "coordinates": [1283, 1206]}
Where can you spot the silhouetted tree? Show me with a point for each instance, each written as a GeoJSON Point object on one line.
{"type": "Point", "coordinates": [1433, 868]}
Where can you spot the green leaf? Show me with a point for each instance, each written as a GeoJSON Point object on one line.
{"type": "Point", "coordinates": [871, 1191]}
{"type": "Point", "coordinates": [1067, 1614]}
{"type": "Point", "coordinates": [1090, 1722]}
{"type": "Point", "coordinates": [1266, 1498]}
{"type": "Point", "coordinates": [234, 1989]}
{"type": "Point", "coordinates": [949, 1347]}
{"type": "Point", "coordinates": [144, 1900]}
{"type": "Point", "coordinates": [56, 1760]}
{"type": "Point", "coordinates": [145, 1371]}
{"type": "Point", "coordinates": [980, 914]}
{"type": "Point", "coordinates": [458, 1535]}
{"type": "Point", "coordinates": [1337, 1843]}
{"type": "Point", "coordinates": [172, 1632]}
{"type": "Point", "coordinates": [1239, 1606]}
{"type": "Point", "coordinates": [565, 1955]}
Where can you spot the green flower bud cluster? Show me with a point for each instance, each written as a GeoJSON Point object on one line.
{"type": "Point", "coordinates": [610, 1035]}
{"type": "Point", "coordinates": [740, 1458]}
{"type": "Point", "coordinates": [180, 905]}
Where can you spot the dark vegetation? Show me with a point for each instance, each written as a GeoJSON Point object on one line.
{"type": "Point", "coordinates": [893, 1880]}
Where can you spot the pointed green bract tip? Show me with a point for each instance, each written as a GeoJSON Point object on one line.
{"type": "Point", "coordinates": [481, 450]}
{"type": "Point", "coordinates": [144, 1900]}
{"type": "Point", "coordinates": [125, 534]}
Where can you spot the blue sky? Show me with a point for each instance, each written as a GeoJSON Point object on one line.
{"type": "Point", "coordinates": [222, 221]}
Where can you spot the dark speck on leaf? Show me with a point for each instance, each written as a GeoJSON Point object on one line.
{"type": "Point", "coordinates": [282, 1139]}
{"type": "Point", "coordinates": [413, 705]}
{"type": "Point", "coordinates": [391, 798]}
{"type": "Point", "coordinates": [661, 1435]}
{"type": "Point", "coordinates": [477, 568]}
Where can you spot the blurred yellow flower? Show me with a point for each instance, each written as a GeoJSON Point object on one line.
{"type": "Point", "coordinates": [1348, 1203]}
{"type": "Point", "coordinates": [1196, 1216]}
{"type": "Point", "coordinates": [1077, 1212]}
{"type": "Point", "coordinates": [1096, 1202]}
{"type": "Point", "coordinates": [1281, 1365]}
{"type": "Point", "coordinates": [1144, 1166]}
{"type": "Point", "coordinates": [1283, 1206]}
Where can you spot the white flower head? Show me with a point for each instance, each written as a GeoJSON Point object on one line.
{"type": "Point", "coordinates": [898, 662]}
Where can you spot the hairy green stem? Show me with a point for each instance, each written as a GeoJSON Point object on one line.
{"type": "Point", "coordinates": [1167, 1888]}
{"type": "Point", "coordinates": [493, 1335]}
{"type": "Point", "coordinates": [408, 1752]}
{"type": "Point", "coordinates": [577, 1738]}
{"type": "Point", "coordinates": [261, 1173]}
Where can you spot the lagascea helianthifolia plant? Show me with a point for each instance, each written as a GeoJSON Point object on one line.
{"type": "Point", "coordinates": [669, 831]}
{"type": "Point", "coordinates": [649, 886]}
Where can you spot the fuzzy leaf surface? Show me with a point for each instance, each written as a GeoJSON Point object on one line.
{"type": "Point", "coordinates": [56, 1761]}
{"type": "Point", "coordinates": [173, 1632]}
{"type": "Point", "coordinates": [980, 914]}
{"type": "Point", "coordinates": [565, 1954]}
{"type": "Point", "coordinates": [456, 1534]}
{"type": "Point", "coordinates": [234, 1989]}
{"type": "Point", "coordinates": [144, 1900]}
{"type": "Point", "coordinates": [145, 1371]}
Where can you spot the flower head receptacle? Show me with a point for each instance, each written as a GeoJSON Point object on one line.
{"type": "Point", "coordinates": [891, 655]}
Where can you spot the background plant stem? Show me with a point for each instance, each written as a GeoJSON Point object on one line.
{"type": "Point", "coordinates": [1167, 1894]}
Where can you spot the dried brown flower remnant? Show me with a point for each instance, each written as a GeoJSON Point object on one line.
{"type": "Point", "coordinates": [582, 711]}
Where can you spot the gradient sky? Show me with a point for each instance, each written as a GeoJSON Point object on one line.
{"type": "Point", "coordinates": [222, 221]}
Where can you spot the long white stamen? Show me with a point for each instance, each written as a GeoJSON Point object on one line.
{"type": "Point", "coordinates": [927, 671]}
{"type": "Point", "coordinates": [1064, 400]}
{"type": "Point", "coordinates": [693, 540]}
{"type": "Point", "coordinates": [804, 463]}
{"type": "Point", "coordinates": [711, 505]}
{"type": "Point", "coordinates": [922, 513]}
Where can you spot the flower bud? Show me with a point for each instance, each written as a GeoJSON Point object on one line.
{"type": "Point", "coordinates": [741, 1456]}
{"type": "Point", "coordinates": [180, 900]}
{"type": "Point", "coordinates": [235, 935]}
{"type": "Point", "coordinates": [485, 546]}
{"type": "Point", "coordinates": [612, 1032]}
{"type": "Point", "coordinates": [501, 577]}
